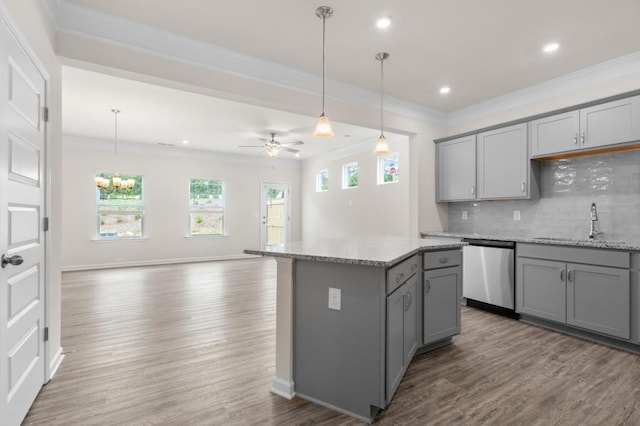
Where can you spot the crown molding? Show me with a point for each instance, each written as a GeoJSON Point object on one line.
{"type": "Point", "coordinates": [83, 22]}
{"type": "Point", "coordinates": [614, 69]}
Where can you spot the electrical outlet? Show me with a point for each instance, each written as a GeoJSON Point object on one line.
{"type": "Point", "coordinates": [335, 298]}
{"type": "Point", "coordinates": [516, 215]}
{"type": "Point", "coordinates": [465, 215]}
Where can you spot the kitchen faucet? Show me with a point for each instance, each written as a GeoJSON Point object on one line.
{"type": "Point", "coordinates": [594, 219]}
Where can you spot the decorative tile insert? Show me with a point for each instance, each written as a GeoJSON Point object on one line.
{"type": "Point", "coordinates": [568, 188]}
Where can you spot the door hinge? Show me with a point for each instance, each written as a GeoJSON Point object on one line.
{"type": "Point", "coordinates": [45, 224]}
{"type": "Point", "coordinates": [45, 113]}
{"type": "Point", "coordinates": [46, 334]}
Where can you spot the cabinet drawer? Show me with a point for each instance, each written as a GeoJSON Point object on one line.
{"type": "Point", "coordinates": [399, 274]}
{"type": "Point", "coordinates": [442, 259]}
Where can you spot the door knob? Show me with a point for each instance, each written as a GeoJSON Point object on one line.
{"type": "Point", "coordinates": [13, 260]}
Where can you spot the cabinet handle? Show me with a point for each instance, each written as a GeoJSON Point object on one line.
{"type": "Point", "coordinates": [473, 190]}
{"type": "Point", "coordinates": [575, 139]}
{"type": "Point", "coordinates": [428, 283]}
{"type": "Point", "coordinates": [414, 267]}
{"type": "Point", "coordinates": [562, 274]}
{"type": "Point", "coordinates": [443, 259]}
{"type": "Point", "coordinates": [570, 276]}
{"type": "Point", "coordinates": [399, 278]}
{"type": "Point", "coordinates": [410, 300]}
{"type": "Point", "coordinates": [522, 187]}
{"type": "Point", "coordinates": [582, 138]}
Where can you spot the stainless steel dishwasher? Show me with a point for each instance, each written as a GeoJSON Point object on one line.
{"type": "Point", "coordinates": [488, 275]}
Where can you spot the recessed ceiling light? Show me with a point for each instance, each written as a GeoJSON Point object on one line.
{"type": "Point", "coordinates": [383, 22]}
{"type": "Point", "coordinates": [444, 90]}
{"type": "Point", "coordinates": [184, 141]}
{"type": "Point", "coordinates": [551, 47]}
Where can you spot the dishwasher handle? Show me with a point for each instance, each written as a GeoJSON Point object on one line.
{"type": "Point", "coordinates": [489, 243]}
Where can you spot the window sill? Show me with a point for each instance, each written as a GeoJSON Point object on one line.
{"type": "Point", "coordinates": [114, 239]}
{"type": "Point", "coordinates": [388, 183]}
{"type": "Point", "coordinates": [197, 237]}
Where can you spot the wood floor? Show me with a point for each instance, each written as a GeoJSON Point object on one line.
{"type": "Point", "coordinates": [194, 344]}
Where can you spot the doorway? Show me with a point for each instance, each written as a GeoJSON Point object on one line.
{"type": "Point", "coordinates": [274, 212]}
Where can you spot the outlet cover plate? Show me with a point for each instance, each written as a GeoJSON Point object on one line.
{"type": "Point", "coordinates": [335, 298]}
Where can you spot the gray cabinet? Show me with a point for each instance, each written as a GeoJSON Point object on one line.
{"type": "Point", "coordinates": [572, 290]}
{"type": "Point", "coordinates": [456, 169]}
{"type": "Point", "coordinates": [441, 300]}
{"type": "Point", "coordinates": [598, 126]}
{"type": "Point", "coordinates": [503, 163]}
{"type": "Point", "coordinates": [402, 332]}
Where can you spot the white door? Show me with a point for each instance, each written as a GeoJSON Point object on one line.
{"type": "Point", "coordinates": [275, 214]}
{"type": "Point", "coordinates": [22, 195]}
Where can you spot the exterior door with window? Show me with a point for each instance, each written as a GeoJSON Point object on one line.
{"type": "Point", "coordinates": [22, 241]}
{"type": "Point", "coordinates": [274, 214]}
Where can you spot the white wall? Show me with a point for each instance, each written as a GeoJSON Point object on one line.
{"type": "Point", "coordinates": [31, 21]}
{"type": "Point", "coordinates": [166, 174]}
{"type": "Point", "coordinates": [369, 209]}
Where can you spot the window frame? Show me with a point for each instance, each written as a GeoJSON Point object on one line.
{"type": "Point", "coordinates": [346, 177]}
{"type": "Point", "coordinates": [319, 180]}
{"type": "Point", "coordinates": [380, 167]}
{"type": "Point", "coordinates": [191, 206]}
{"type": "Point", "coordinates": [140, 211]}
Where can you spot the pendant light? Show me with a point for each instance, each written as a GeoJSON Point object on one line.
{"type": "Point", "coordinates": [323, 128]}
{"type": "Point", "coordinates": [382, 147]}
{"type": "Point", "coordinates": [116, 181]}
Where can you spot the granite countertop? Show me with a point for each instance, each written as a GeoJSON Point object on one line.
{"type": "Point", "coordinates": [633, 245]}
{"type": "Point", "coordinates": [369, 251]}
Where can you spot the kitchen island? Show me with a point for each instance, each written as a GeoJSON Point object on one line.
{"type": "Point", "coordinates": [352, 313]}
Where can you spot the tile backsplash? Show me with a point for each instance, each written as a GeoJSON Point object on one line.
{"type": "Point", "coordinates": [568, 187]}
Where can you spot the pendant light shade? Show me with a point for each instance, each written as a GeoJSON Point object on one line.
{"type": "Point", "coordinates": [382, 147]}
{"type": "Point", "coordinates": [323, 128]}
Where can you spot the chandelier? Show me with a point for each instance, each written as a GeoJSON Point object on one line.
{"type": "Point", "coordinates": [116, 183]}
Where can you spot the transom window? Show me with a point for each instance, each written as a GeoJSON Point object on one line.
{"type": "Point", "coordinates": [120, 212]}
{"type": "Point", "coordinates": [388, 169]}
{"type": "Point", "coordinates": [350, 175]}
{"type": "Point", "coordinates": [322, 180]}
{"type": "Point", "coordinates": [206, 207]}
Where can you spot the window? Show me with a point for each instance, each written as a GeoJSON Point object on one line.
{"type": "Point", "coordinates": [350, 175]}
{"type": "Point", "coordinates": [206, 207]}
{"type": "Point", "coordinates": [322, 180]}
{"type": "Point", "coordinates": [388, 169]}
{"type": "Point", "coordinates": [121, 212]}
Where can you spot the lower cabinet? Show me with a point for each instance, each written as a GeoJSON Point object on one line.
{"type": "Point", "coordinates": [442, 290]}
{"type": "Point", "coordinates": [591, 297]}
{"type": "Point", "coordinates": [402, 331]}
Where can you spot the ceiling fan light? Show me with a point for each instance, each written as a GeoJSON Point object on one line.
{"type": "Point", "coordinates": [382, 146]}
{"type": "Point", "coordinates": [323, 128]}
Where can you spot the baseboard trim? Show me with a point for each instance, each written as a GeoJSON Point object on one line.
{"type": "Point", "coordinates": [155, 262]}
{"type": "Point", "coordinates": [282, 388]}
{"type": "Point", "coordinates": [55, 363]}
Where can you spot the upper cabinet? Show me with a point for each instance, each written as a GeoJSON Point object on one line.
{"type": "Point", "coordinates": [610, 123]}
{"type": "Point", "coordinates": [492, 165]}
{"type": "Point", "coordinates": [503, 163]}
{"type": "Point", "coordinates": [456, 169]}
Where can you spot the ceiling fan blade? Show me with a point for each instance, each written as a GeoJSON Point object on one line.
{"type": "Point", "coordinates": [250, 146]}
{"type": "Point", "coordinates": [292, 143]}
{"type": "Point", "coordinates": [264, 140]}
{"type": "Point", "coordinates": [282, 148]}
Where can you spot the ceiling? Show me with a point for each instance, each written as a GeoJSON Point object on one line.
{"type": "Point", "coordinates": [481, 49]}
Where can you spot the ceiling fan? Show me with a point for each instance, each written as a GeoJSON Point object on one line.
{"type": "Point", "coordinates": [273, 147]}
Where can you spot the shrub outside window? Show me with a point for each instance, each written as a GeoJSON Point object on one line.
{"type": "Point", "coordinates": [120, 213]}
{"type": "Point", "coordinates": [206, 207]}
{"type": "Point", "coordinates": [322, 180]}
{"type": "Point", "coordinates": [388, 169]}
{"type": "Point", "coordinates": [350, 175]}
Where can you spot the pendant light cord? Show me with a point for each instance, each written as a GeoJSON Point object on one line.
{"type": "Point", "coordinates": [324, 50]}
{"type": "Point", "coordinates": [115, 151]}
{"type": "Point", "coordinates": [381, 97]}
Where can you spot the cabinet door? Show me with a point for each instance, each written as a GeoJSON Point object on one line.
{"type": "Point", "coordinates": [411, 319]}
{"type": "Point", "coordinates": [456, 169]}
{"type": "Point", "coordinates": [441, 304]}
{"type": "Point", "coordinates": [503, 163]}
{"type": "Point", "coordinates": [396, 303]}
{"type": "Point", "coordinates": [558, 133]}
{"type": "Point", "coordinates": [610, 123]}
{"type": "Point", "coordinates": [541, 288]}
{"type": "Point", "coordinates": [598, 299]}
